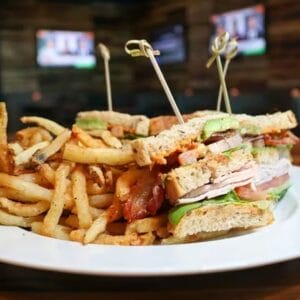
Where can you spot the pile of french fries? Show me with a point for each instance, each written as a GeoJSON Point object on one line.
{"type": "Point", "coordinates": [60, 183]}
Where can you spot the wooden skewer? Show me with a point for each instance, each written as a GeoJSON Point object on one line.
{"type": "Point", "coordinates": [106, 57]}
{"type": "Point", "coordinates": [218, 47]}
{"type": "Point", "coordinates": [145, 49]}
{"type": "Point", "coordinates": [231, 53]}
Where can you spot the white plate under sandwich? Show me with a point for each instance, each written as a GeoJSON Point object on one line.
{"type": "Point", "coordinates": [275, 243]}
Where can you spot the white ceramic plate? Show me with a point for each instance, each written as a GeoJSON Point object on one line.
{"type": "Point", "coordinates": [275, 243]}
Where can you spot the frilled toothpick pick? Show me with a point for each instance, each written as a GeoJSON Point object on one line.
{"type": "Point", "coordinates": [145, 49]}
{"type": "Point", "coordinates": [218, 47]}
{"type": "Point", "coordinates": [231, 52]}
{"type": "Point", "coordinates": [106, 57]}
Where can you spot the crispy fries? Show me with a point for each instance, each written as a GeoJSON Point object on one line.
{"type": "Point", "coordinates": [31, 192]}
{"type": "Point", "coordinates": [51, 126]}
{"type": "Point", "coordinates": [65, 184]}
{"type": "Point", "coordinates": [81, 198]}
{"type": "Point", "coordinates": [3, 124]}
{"type": "Point", "coordinates": [60, 232]}
{"type": "Point", "coordinates": [15, 148]}
{"type": "Point", "coordinates": [125, 181]}
{"type": "Point", "coordinates": [96, 228]}
{"type": "Point", "coordinates": [110, 140]}
{"type": "Point", "coordinates": [24, 209]}
{"type": "Point", "coordinates": [12, 220]}
{"type": "Point", "coordinates": [147, 225]}
{"type": "Point", "coordinates": [47, 172]}
{"type": "Point", "coordinates": [30, 136]}
{"type": "Point", "coordinates": [72, 221]}
{"type": "Point", "coordinates": [57, 202]}
{"type": "Point", "coordinates": [5, 158]}
{"type": "Point", "coordinates": [77, 235]}
{"type": "Point", "coordinates": [25, 156]}
{"type": "Point", "coordinates": [42, 155]}
{"type": "Point", "coordinates": [132, 239]}
{"type": "Point", "coordinates": [101, 201]}
{"type": "Point", "coordinates": [86, 139]}
{"type": "Point", "coordinates": [113, 157]}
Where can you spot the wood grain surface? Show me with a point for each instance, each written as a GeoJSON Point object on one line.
{"type": "Point", "coordinates": [280, 281]}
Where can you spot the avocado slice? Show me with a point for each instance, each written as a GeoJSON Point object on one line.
{"type": "Point", "coordinates": [219, 125]}
{"type": "Point", "coordinates": [249, 129]}
{"type": "Point", "coordinates": [91, 124]}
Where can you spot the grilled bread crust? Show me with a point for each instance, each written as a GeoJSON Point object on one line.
{"type": "Point", "coordinates": [185, 179]}
{"type": "Point", "coordinates": [270, 123]}
{"type": "Point", "coordinates": [138, 124]}
{"type": "Point", "coordinates": [211, 219]}
{"type": "Point", "coordinates": [155, 149]}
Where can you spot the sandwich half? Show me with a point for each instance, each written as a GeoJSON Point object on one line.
{"type": "Point", "coordinates": [204, 162]}
{"type": "Point", "coordinates": [120, 124]}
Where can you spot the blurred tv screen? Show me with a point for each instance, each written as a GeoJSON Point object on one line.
{"type": "Point", "coordinates": [170, 41]}
{"type": "Point", "coordinates": [247, 25]}
{"type": "Point", "coordinates": [58, 48]}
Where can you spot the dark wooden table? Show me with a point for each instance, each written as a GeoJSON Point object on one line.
{"type": "Point", "coordinates": [279, 281]}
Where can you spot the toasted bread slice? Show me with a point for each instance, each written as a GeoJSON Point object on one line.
{"type": "Point", "coordinates": [137, 124]}
{"type": "Point", "coordinates": [270, 123]}
{"type": "Point", "coordinates": [155, 149]}
{"type": "Point", "coordinates": [210, 220]}
{"type": "Point", "coordinates": [182, 180]}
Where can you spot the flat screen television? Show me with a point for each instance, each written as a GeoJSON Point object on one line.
{"type": "Point", "coordinates": [247, 25]}
{"type": "Point", "coordinates": [58, 48]}
{"type": "Point", "coordinates": [170, 41]}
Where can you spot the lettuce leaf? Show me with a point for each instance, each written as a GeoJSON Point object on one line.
{"type": "Point", "coordinates": [276, 194]}
{"type": "Point", "coordinates": [179, 211]}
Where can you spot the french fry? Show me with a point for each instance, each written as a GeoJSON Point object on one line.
{"type": "Point", "coordinates": [95, 212]}
{"type": "Point", "coordinates": [35, 139]}
{"type": "Point", "coordinates": [125, 240]}
{"type": "Point", "coordinates": [97, 174]}
{"type": "Point", "coordinates": [101, 201]}
{"type": "Point", "coordinates": [31, 177]}
{"type": "Point", "coordinates": [72, 221]}
{"type": "Point", "coordinates": [107, 156]}
{"type": "Point", "coordinates": [125, 181]}
{"type": "Point", "coordinates": [3, 124]}
{"type": "Point", "coordinates": [28, 137]}
{"type": "Point", "coordinates": [22, 209]}
{"type": "Point", "coordinates": [57, 203]}
{"type": "Point", "coordinates": [26, 191]}
{"type": "Point", "coordinates": [81, 198]}
{"type": "Point", "coordinates": [96, 228]}
{"type": "Point", "coordinates": [60, 232]}
{"type": "Point", "coordinates": [47, 172]}
{"type": "Point", "coordinates": [93, 188]}
{"type": "Point", "coordinates": [15, 148]}
{"type": "Point", "coordinates": [42, 155]}
{"type": "Point", "coordinates": [77, 235]}
{"type": "Point", "coordinates": [25, 156]}
{"type": "Point", "coordinates": [5, 157]}
{"type": "Point", "coordinates": [147, 225]}
{"type": "Point", "coordinates": [51, 126]}
{"type": "Point", "coordinates": [86, 139]}
{"type": "Point", "coordinates": [11, 220]}
{"type": "Point", "coordinates": [110, 140]}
